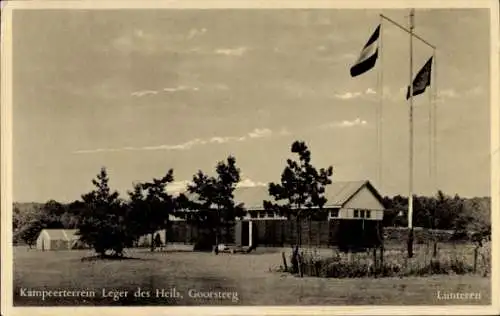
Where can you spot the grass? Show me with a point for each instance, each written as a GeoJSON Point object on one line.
{"type": "Point", "coordinates": [249, 275]}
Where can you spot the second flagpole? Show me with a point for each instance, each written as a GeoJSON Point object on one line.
{"type": "Point", "coordinates": [410, 194]}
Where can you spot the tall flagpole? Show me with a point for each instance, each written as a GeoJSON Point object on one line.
{"type": "Point", "coordinates": [410, 97]}
{"type": "Point", "coordinates": [380, 109]}
{"type": "Point", "coordinates": [410, 194]}
{"type": "Point", "coordinates": [434, 127]}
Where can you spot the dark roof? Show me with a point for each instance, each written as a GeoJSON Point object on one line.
{"type": "Point", "coordinates": [336, 193]}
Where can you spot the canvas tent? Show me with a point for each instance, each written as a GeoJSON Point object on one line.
{"type": "Point", "coordinates": [58, 239]}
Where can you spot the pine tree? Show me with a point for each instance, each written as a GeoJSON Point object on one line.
{"type": "Point", "coordinates": [102, 224]}
{"type": "Point", "coordinates": [213, 203]}
{"type": "Point", "coordinates": [301, 189]}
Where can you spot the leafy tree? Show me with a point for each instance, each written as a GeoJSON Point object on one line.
{"type": "Point", "coordinates": [480, 212]}
{"type": "Point", "coordinates": [29, 223]}
{"type": "Point", "coordinates": [135, 212]}
{"type": "Point", "coordinates": [396, 211]}
{"type": "Point", "coordinates": [102, 223]}
{"type": "Point", "coordinates": [212, 206]}
{"type": "Point", "coordinates": [151, 206]}
{"type": "Point", "coordinates": [73, 210]}
{"type": "Point", "coordinates": [301, 189]}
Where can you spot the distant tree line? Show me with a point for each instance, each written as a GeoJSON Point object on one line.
{"type": "Point", "coordinates": [442, 211]}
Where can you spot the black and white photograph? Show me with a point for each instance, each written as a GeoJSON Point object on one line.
{"type": "Point", "coordinates": [232, 157]}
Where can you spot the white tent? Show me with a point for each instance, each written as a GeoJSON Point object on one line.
{"type": "Point", "coordinates": [58, 239]}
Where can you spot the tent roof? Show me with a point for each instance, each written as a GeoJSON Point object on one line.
{"type": "Point", "coordinates": [61, 234]}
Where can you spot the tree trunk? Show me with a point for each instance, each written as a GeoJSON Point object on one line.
{"type": "Point", "coordinates": [216, 249]}
{"type": "Point", "coordinates": [299, 225]}
{"type": "Point", "coordinates": [434, 249]}
{"type": "Point", "coordinates": [297, 221]}
{"type": "Point", "coordinates": [152, 244]}
{"type": "Point", "coordinates": [382, 257]}
{"type": "Point", "coordinates": [309, 224]}
{"type": "Point", "coordinates": [285, 265]}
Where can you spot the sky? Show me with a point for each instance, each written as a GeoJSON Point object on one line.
{"type": "Point", "coordinates": [143, 91]}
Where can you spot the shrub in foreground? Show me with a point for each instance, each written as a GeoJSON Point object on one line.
{"type": "Point", "coordinates": [337, 268]}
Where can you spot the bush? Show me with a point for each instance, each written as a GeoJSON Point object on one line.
{"type": "Point", "coordinates": [335, 267]}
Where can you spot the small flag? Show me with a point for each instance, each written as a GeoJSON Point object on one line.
{"type": "Point", "coordinates": [368, 56]}
{"type": "Point", "coordinates": [422, 80]}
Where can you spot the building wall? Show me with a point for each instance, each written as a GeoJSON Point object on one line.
{"type": "Point", "coordinates": [362, 233]}
{"type": "Point", "coordinates": [347, 213]}
{"type": "Point", "coordinates": [283, 233]}
{"type": "Point", "coordinates": [364, 199]}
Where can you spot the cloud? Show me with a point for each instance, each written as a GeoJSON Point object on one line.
{"type": "Point", "coordinates": [217, 86]}
{"type": "Point", "coordinates": [248, 183]}
{"type": "Point", "coordinates": [137, 41]}
{"type": "Point", "coordinates": [344, 124]}
{"type": "Point", "coordinates": [231, 51]}
{"type": "Point", "coordinates": [195, 33]}
{"type": "Point", "coordinates": [348, 95]}
{"type": "Point", "coordinates": [448, 93]}
{"type": "Point", "coordinates": [183, 146]}
{"type": "Point", "coordinates": [180, 88]}
{"type": "Point", "coordinates": [223, 140]}
{"type": "Point", "coordinates": [177, 186]}
{"type": "Point", "coordinates": [353, 95]}
{"type": "Point", "coordinates": [256, 133]}
{"type": "Point", "coordinates": [356, 122]}
{"type": "Point", "coordinates": [476, 91]}
{"type": "Point", "coordinates": [370, 91]}
{"type": "Point", "coordinates": [144, 93]}
{"type": "Point", "coordinates": [181, 186]}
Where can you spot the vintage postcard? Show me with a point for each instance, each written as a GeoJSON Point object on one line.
{"type": "Point", "coordinates": [250, 157]}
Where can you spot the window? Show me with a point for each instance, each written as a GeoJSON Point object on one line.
{"type": "Point", "coordinates": [253, 214]}
{"type": "Point", "coordinates": [362, 214]}
{"type": "Point", "coordinates": [356, 213]}
{"type": "Point", "coordinates": [368, 214]}
{"type": "Point", "coordinates": [334, 213]}
{"type": "Point", "coordinates": [262, 214]}
{"type": "Point", "coordinates": [270, 214]}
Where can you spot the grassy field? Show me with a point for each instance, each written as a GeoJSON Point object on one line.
{"type": "Point", "coordinates": [249, 275]}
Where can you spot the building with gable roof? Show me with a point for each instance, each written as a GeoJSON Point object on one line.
{"type": "Point", "coordinates": [352, 217]}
